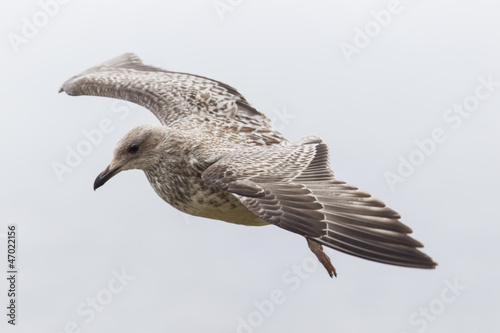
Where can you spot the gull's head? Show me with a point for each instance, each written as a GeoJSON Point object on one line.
{"type": "Point", "coordinates": [138, 149]}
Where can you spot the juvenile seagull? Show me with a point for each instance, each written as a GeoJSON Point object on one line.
{"type": "Point", "coordinates": [217, 157]}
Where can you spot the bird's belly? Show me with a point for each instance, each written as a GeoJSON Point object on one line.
{"type": "Point", "coordinates": [193, 196]}
{"type": "Point", "coordinates": [223, 206]}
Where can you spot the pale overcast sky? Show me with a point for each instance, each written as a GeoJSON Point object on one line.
{"type": "Point", "coordinates": [405, 93]}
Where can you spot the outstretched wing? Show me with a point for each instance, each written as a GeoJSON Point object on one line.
{"type": "Point", "coordinates": [178, 100]}
{"type": "Point", "coordinates": [292, 186]}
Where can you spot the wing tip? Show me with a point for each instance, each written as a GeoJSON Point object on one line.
{"type": "Point", "coordinates": [421, 261]}
{"type": "Point", "coordinates": [411, 257]}
{"type": "Point", "coordinates": [127, 60]}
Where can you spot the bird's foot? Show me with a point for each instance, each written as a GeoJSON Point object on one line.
{"type": "Point", "coordinates": [317, 249]}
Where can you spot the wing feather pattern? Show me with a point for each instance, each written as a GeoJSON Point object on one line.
{"type": "Point", "coordinates": [178, 100]}
{"type": "Point", "coordinates": [295, 189]}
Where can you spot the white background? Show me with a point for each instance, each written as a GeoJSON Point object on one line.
{"type": "Point", "coordinates": [196, 275]}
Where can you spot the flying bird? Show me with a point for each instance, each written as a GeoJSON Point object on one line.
{"type": "Point", "coordinates": [216, 156]}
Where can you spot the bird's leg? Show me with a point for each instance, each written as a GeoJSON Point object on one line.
{"type": "Point", "coordinates": [317, 249]}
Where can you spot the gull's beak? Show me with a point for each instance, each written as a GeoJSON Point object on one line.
{"type": "Point", "coordinates": [105, 176]}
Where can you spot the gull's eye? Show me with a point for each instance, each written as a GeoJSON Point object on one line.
{"type": "Point", "coordinates": [133, 148]}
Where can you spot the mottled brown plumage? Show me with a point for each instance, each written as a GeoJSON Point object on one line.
{"type": "Point", "coordinates": [216, 156]}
